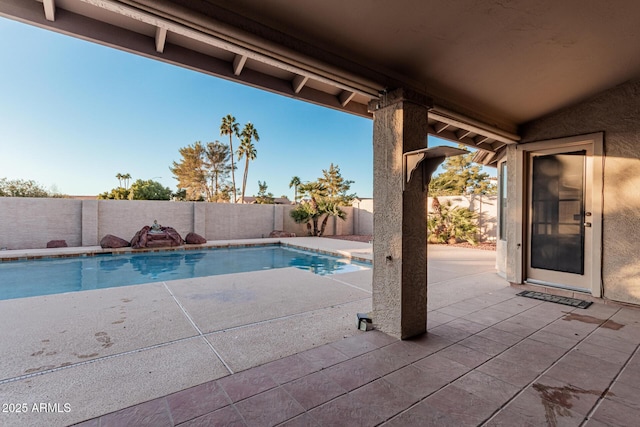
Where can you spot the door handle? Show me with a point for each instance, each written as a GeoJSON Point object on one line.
{"type": "Point", "coordinates": [587, 224]}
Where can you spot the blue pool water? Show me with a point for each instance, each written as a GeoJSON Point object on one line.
{"type": "Point", "coordinates": [19, 279]}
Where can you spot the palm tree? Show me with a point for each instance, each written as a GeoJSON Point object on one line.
{"type": "Point", "coordinates": [126, 177]}
{"type": "Point", "coordinates": [330, 209]}
{"type": "Point", "coordinates": [295, 182]}
{"type": "Point", "coordinates": [313, 209]}
{"type": "Point", "coordinates": [247, 150]}
{"type": "Point", "coordinates": [230, 127]}
{"type": "Point", "coordinates": [119, 176]}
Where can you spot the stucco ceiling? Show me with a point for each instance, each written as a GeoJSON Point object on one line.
{"type": "Point", "coordinates": [488, 65]}
{"type": "Point", "coordinates": [511, 60]}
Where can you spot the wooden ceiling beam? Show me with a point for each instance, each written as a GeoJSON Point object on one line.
{"type": "Point", "coordinates": [49, 9]}
{"type": "Point", "coordinates": [298, 83]}
{"type": "Point", "coordinates": [238, 64]}
{"type": "Point", "coordinates": [346, 96]}
{"type": "Point", "coordinates": [161, 39]}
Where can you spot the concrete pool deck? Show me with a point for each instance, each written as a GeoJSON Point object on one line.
{"type": "Point", "coordinates": [132, 355]}
{"type": "Point", "coordinates": [103, 350]}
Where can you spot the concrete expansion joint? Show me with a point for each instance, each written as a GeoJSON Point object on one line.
{"type": "Point", "coordinates": [97, 359]}
{"type": "Point", "coordinates": [350, 285]}
{"type": "Point", "coordinates": [279, 318]}
{"type": "Point", "coordinates": [186, 314]}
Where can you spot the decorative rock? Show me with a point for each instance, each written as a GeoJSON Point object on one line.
{"type": "Point", "coordinates": [165, 236]}
{"type": "Point", "coordinates": [280, 233]}
{"type": "Point", "coordinates": [111, 241]}
{"type": "Point", "coordinates": [194, 239]}
{"type": "Point", "coordinates": [57, 244]}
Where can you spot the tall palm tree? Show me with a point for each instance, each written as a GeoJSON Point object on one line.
{"type": "Point", "coordinates": [230, 127]}
{"type": "Point", "coordinates": [119, 176]}
{"type": "Point", "coordinates": [126, 177]}
{"type": "Point", "coordinates": [295, 182]}
{"type": "Point", "coordinates": [247, 150]}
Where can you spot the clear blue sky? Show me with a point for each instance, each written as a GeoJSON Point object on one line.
{"type": "Point", "coordinates": [74, 114]}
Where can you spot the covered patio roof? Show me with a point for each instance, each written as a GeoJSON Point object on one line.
{"type": "Point", "coordinates": [487, 66]}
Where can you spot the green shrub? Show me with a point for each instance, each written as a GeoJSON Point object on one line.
{"type": "Point", "coordinates": [449, 224]}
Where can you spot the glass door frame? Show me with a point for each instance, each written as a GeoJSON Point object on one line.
{"type": "Point", "coordinates": [594, 181]}
{"type": "Point", "coordinates": [557, 277]}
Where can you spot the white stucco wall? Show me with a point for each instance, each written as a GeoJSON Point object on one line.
{"type": "Point", "coordinates": [508, 252]}
{"type": "Point", "coordinates": [616, 113]}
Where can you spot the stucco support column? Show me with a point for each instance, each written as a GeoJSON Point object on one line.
{"type": "Point", "coordinates": [400, 217]}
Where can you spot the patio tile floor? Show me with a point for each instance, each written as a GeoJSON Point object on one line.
{"type": "Point", "coordinates": [525, 363]}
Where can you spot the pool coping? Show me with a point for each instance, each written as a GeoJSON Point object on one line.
{"type": "Point", "coordinates": [90, 251]}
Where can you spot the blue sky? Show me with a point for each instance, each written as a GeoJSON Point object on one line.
{"type": "Point", "coordinates": [74, 114]}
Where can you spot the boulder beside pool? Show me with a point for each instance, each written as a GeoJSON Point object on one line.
{"type": "Point", "coordinates": [194, 239]}
{"type": "Point", "coordinates": [156, 237]}
{"type": "Point", "coordinates": [111, 241]}
{"type": "Point", "coordinates": [56, 244]}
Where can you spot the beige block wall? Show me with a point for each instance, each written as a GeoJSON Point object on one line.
{"type": "Point", "coordinates": [31, 222]}
{"type": "Point", "coordinates": [346, 226]}
{"type": "Point", "coordinates": [123, 218]}
{"type": "Point", "coordinates": [616, 113]}
{"type": "Point", "coordinates": [89, 222]}
{"type": "Point", "coordinates": [233, 221]}
{"type": "Point", "coordinates": [363, 216]}
{"type": "Point", "coordinates": [27, 223]}
{"type": "Point", "coordinates": [485, 206]}
{"type": "Point", "coordinates": [289, 225]}
{"type": "Point", "coordinates": [334, 226]}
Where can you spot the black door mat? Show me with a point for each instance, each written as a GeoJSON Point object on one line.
{"type": "Point", "coordinates": [573, 302]}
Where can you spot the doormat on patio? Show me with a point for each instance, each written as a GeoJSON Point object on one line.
{"type": "Point", "coordinates": [573, 302]}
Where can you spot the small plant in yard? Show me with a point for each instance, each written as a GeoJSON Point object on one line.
{"type": "Point", "coordinates": [323, 200]}
{"type": "Point", "coordinates": [451, 224]}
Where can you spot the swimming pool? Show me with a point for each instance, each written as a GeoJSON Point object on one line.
{"type": "Point", "coordinates": [19, 279]}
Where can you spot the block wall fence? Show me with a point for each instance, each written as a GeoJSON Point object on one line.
{"type": "Point", "coordinates": [29, 223]}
